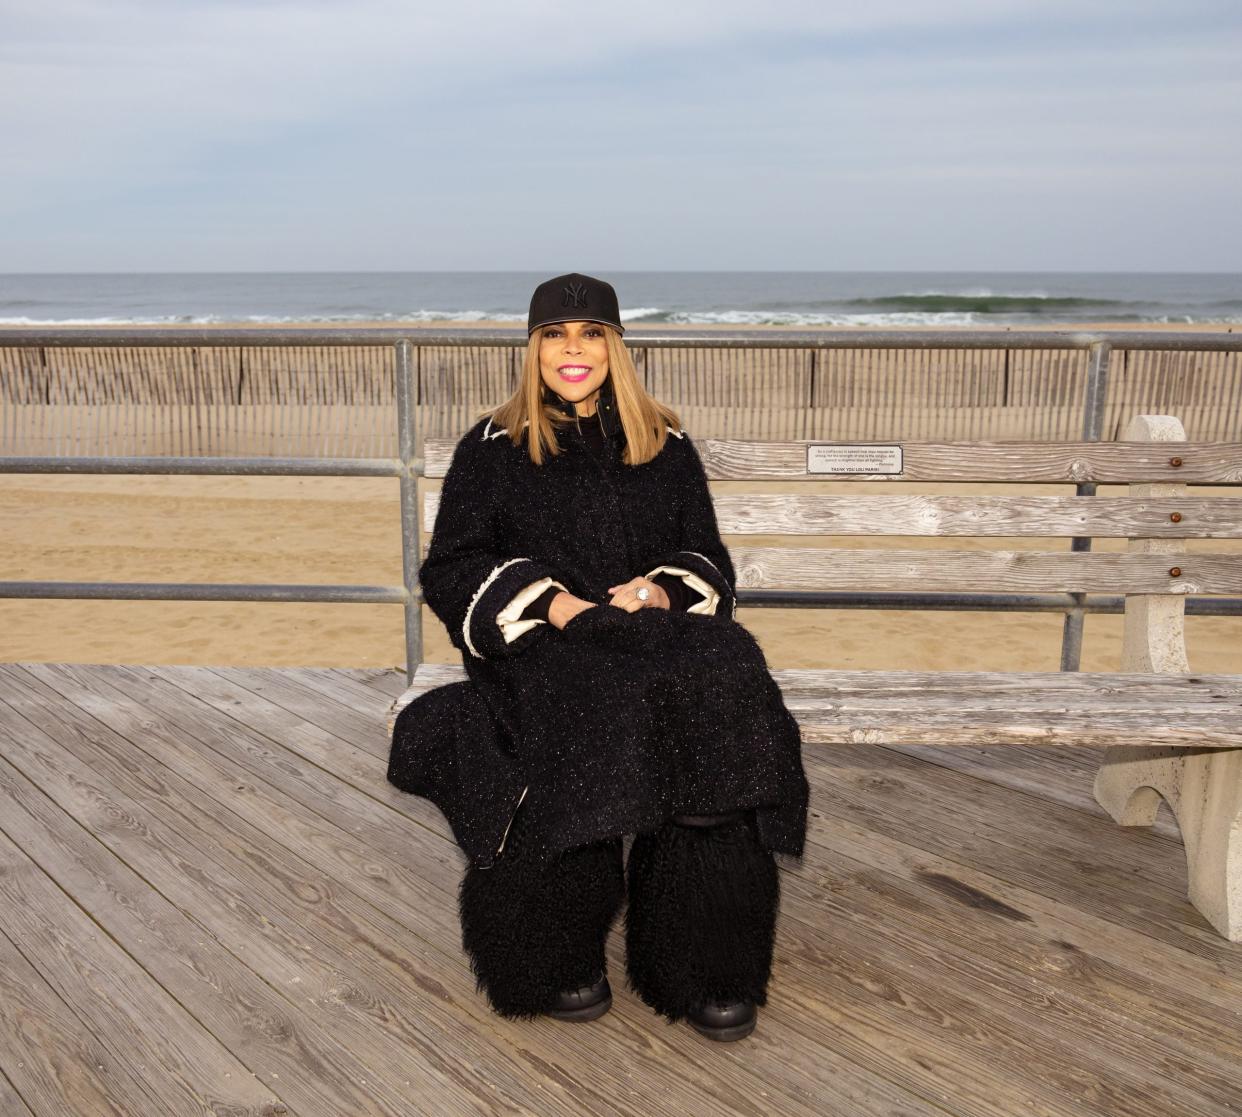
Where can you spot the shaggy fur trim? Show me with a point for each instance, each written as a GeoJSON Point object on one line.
{"type": "Point", "coordinates": [532, 930]}
{"type": "Point", "coordinates": [701, 919]}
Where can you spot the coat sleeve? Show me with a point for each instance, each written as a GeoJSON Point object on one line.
{"type": "Point", "coordinates": [470, 579]}
{"type": "Point", "coordinates": [680, 595]}
{"type": "Point", "coordinates": [703, 561]}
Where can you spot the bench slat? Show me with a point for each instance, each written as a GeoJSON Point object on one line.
{"type": "Point", "coordinates": [1092, 709]}
{"type": "Point", "coordinates": [944, 571]}
{"type": "Point", "coordinates": [936, 570]}
{"type": "Point", "coordinates": [1214, 463]}
{"type": "Point", "coordinates": [1007, 686]}
{"type": "Point", "coordinates": [981, 516]}
{"type": "Point", "coordinates": [1091, 733]}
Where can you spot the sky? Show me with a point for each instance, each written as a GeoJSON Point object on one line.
{"type": "Point", "coordinates": [398, 135]}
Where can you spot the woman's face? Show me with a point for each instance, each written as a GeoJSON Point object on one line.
{"type": "Point", "coordinates": [573, 360]}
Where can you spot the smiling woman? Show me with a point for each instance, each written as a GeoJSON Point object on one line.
{"type": "Point", "coordinates": [573, 360]}
{"type": "Point", "coordinates": [578, 567]}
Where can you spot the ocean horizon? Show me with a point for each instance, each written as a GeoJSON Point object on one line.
{"type": "Point", "coordinates": [710, 298]}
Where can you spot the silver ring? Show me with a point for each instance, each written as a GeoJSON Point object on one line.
{"type": "Point", "coordinates": [642, 593]}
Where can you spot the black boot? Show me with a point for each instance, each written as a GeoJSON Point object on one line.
{"type": "Point", "coordinates": [700, 925]}
{"type": "Point", "coordinates": [735, 1020]}
{"type": "Point", "coordinates": [535, 931]}
{"type": "Point", "coordinates": [588, 1003]}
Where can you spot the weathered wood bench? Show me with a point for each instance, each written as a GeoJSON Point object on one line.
{"type": "Point", "coordinates": [1165, 731]}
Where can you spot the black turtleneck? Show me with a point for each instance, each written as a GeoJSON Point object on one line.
{"type": "Point", "coordinates": [680, 596]}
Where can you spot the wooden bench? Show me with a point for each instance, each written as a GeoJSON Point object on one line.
{"type": "Point", "coordinates": [1164, 731]}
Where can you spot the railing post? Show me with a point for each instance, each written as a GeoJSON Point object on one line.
{"type": "Point", "coordinates": [411, 535]}
{"type": "Point", "coordinates": [1092, 427]}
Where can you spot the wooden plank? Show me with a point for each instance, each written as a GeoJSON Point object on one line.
{"type": "Point", "coordinates": [291, 922]}
{"type": "Point", "coordinates": [1107, 686]}
{"type": "Point", "coordinates": [59, 1065]}
{"type": "Point", "coordinates": [1202, 463]}
{"type": "Point", "coordinates": [985, 718]}
{"type": "Point", "coordinates": [11, 1104]}
{"type": "Point", "coordinates": [1075, 729]}
{"type": "Point", "coordinates": [370, 684]}
{"type": "Point", "coordinates": [1060, 773]}
{"type": "Point", "coordinates": [998, 972]}
{"type": "Point", "coordinates": [1063, 774]}
{"type": "Point", "coordinates": [931, 571]}
{"type": "Point", "coordinates": [294, 701]}
{"type": "Point", "coordinates": [979, 709]}
{"type": "Point", "coordinates": [389, 681]}
{"type": "Point", "coordinates": [178, 1061]}
{"type": "Point", "coordinates": [895, 570]}
{"type": "Point", "coordinates": [1073, 855]}
{"type": "Point", "coordinates": [1008, 462]}
{"type": "Point", "coordinates": [923, 1002]}
{"type": "Point", "coordinates": [977, 516]}
{"type": "Point", "coordinates": [248, 1015]}
{"type": "Point", "coordinates": [1019, 969]}
{"type": "Point", "coordinates": [426, 676]}
{"type": "Point", "coordinates": [862, 1051]}
{"type": "Point", "coordinates": [1076, 685]}
{"type": "Point", "coordinates": [1046, 892]}
{"type": "Point", "coordinates": [1206, 705]}
{"type": "Point", "coordinates": [398, 913]}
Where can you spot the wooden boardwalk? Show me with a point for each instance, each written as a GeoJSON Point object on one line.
{"type": "Point", "coordinates": [211, 901]}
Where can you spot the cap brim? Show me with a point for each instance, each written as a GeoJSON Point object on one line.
{"type": "Point", "coordinates": [573, 318]}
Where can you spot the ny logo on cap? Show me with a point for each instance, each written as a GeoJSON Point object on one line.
{"type": "Point", "coordinates": [575, 295]}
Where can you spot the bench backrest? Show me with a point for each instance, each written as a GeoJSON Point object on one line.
{"type": "Point", "coordinates": [1156, 515]}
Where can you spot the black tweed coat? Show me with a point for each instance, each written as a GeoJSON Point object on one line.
{"type": "Point", "coordinates": [618, 720]}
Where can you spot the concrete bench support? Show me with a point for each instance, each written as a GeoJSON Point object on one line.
{"type": "Point", "coordinates": [1203, 787]}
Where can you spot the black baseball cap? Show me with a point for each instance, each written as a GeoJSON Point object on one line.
{"type": "Point", "coordinates": [574, 298]}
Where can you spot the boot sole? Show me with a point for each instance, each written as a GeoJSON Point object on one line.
{"type": "Point", "coordinates": [588, 1012]}
{"type": "Point", "coordinates": [725, 1035]}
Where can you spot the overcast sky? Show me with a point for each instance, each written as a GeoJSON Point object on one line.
{"type": "Point", "coordinates": [466, 135]}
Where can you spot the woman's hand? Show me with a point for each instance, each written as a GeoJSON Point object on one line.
{"type": "Point", "coordinates": [565, 606]}
{"type": "Point", "coordinates": [624, 596]}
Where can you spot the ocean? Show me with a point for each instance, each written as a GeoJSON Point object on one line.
{"type": "Point", "coordinates": [918, 299]}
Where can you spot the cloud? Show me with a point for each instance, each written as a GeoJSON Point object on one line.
{"type": "Point", "coordinates": [364, 135]}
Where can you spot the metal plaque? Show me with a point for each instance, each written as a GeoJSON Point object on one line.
{"type": "Point", "coordinates": [860, 458]}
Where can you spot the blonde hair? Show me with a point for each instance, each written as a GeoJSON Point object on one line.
{"type": "Point", "coordinates": [644, 419]}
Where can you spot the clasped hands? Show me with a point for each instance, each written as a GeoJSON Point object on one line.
{"type": "Point", "coordinates": [565, 605]}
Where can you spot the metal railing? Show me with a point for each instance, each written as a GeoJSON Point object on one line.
{"type": "Point", "coordinates": [1099, 346]}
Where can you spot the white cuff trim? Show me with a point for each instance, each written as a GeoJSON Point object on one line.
{"type": "Point", "coordinates": [710, 597]}
{"type": "Point", "coordinates": [509, 618]}
{"type": "Point", "coordinates": [716, 568]}
{"type": "Point", "coordinates": [465, 625]}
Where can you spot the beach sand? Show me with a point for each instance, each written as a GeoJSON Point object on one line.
{"type": "Point", "coordinates": [347, 530]}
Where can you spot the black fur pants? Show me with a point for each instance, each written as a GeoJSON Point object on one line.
{"type": "Point", "coordinates": [700, 920]}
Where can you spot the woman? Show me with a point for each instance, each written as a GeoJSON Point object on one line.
{"type": "Point", "coordinates": [577, 565]}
